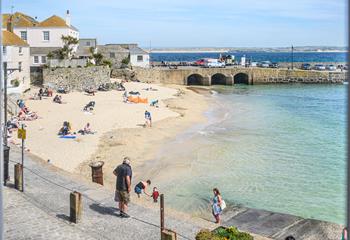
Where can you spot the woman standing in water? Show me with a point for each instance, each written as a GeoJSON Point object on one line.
{"type": "Point", "coordinates": [216, 207]}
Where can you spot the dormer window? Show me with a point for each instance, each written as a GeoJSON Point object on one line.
{"type": "Point", "coordinates": [46, 35]}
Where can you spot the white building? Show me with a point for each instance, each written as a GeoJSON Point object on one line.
{"type": "Point", "coordinates": [139, 57]}
{"type": "Point", "coordinates": [45, 35]}
{"type": "Point", "coordinates": [16, 62]}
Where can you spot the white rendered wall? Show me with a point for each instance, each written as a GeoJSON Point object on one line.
{"type": "Point", "coordinates": [35, 36]}
{"type": "Point", "coordinates": [13, 57]}
{"type": "Point", "coordinates": [135, 63]}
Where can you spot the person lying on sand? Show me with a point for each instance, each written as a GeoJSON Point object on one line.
{"type": "Point", "coordinates": [90, 106]}
{"type": "Point", "coordinates": [90, 91]}
{"type": "Point", "coordinates": [26, 116]}
{"type": "Point", "coordinates": [134, 93]}
{"type": "Point", "coordinates": [141, 186]}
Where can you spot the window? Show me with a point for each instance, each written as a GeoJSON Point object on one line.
{"type": "Point", "coordinates": [36, 59]}
{"type": "Point", "coordinates": [43, 59]}
{"type": "Point", "coordinates": [4, 50]}
{"type": "Point", "coordinates": [20, 50]}
{"type": "Point", "coordinates": [46, 35]}
{"type": "Point", "coordinates": [88, 43]}
{"type": "Point", "coordinates": [139, 58]}
{"type": "Point", "coordinates": [24, 35]}
{"type": "Point", "coordinates": [20, 66]}
{"type": "Point", "coordinates": [112, 55]}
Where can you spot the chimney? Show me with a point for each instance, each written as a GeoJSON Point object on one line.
{"type": "Point", "coordinates": [9, 26]}
{"type": "Point", "coordinates": [68, 18]}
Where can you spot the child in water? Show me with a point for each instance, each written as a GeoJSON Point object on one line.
{"type": "Point", "coordinates": [155, 194]}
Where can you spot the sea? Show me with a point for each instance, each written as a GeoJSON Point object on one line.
{"type": "Point", "coordinates": [254, 56]}
{"type": "Point", "coordinates": [274, 147]}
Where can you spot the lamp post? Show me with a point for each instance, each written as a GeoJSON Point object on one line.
{"type": "Point", "coordinates": [2, 135]}
{"type": "Point", "coordinates": [292, 57]}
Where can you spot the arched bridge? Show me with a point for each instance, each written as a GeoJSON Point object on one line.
{"type": "Point", "coordinates": [218, 79]}
{"type": "Point", "coordinates": [235, 75]}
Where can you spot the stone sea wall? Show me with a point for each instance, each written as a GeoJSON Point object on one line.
{"type": "Point", "coordinates": [254, 75]}
{"type": "Point", "coordinates": [76, 78]}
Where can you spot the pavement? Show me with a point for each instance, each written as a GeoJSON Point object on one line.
{"type": "Point", "coordinates": [42, 210]}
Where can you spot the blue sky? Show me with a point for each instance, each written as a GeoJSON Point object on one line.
{"type": "Point", "coordinates": [200, 23]}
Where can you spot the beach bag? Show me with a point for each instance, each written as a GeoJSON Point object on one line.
{"type": "Point", "coordinates": [223, 204]}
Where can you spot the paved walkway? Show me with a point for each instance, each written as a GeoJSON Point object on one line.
{"type": "Point", "coordinates": [42, 211]}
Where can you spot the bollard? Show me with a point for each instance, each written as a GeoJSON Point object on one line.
{"type": "Point", "coordinates": [6, 164]}
{"type": "Point", "coordinates": [18, 177]}
{"type": "Point", "coordinates": [75, 207]}
{"type": "Point", "coordinates": [168, 234]}
{"type": "Point", "coordinates": [96, 172]}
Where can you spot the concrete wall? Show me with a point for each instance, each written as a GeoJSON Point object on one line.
{"type": "Point", "coordinates": [76, 78]}
{"type": "Point", "coordinates": [255, 75]}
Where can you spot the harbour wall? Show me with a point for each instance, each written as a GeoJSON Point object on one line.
{"type": "Point", "coordinates": [234, 75]}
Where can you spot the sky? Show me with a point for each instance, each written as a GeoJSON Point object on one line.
{"type": "Point", "coordinates": [200, 23]}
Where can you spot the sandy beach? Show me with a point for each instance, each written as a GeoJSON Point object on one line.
{"type": "Point", "coordinates": [118, 126]}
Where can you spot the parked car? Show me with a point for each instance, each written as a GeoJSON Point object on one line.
{"type": "Point", "coordinates": [331, 67]}
{"type": "Point", "coordinates": [212, 63]}
{"type": "Point", "coordinates": [320, 67]}
{"type": "Point", "coordinates": [274, 65]}
{"type": "Point", "coordinates": [306, 66]}
{"type": "Point", "coordinates": [254, 64]}
{"type": "Point", "coordinates": [199, 62]}
{"type": "Point", "coordinates": [264, 64]}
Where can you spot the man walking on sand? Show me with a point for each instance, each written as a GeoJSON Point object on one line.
{"type": "Point", "coordinates": [123, 186]}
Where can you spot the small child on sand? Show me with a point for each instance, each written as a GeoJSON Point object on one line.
{"type": "Point", "coordinates": [155, 194]}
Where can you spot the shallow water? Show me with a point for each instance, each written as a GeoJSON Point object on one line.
{"type": "Point", "coordinates": [275, 147]}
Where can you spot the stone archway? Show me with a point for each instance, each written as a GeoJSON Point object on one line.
{"type": "Point", "coordinates": [195, 79]}
{"type": "Point", "coordinates": [241, 78]}
{"type": "Point", "coordinates": [218, 79]}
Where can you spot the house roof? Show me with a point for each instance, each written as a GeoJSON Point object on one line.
{"type": "Point", "coordinates": [112, 48]}
{"type": "Point", "coordinates": [22, 20]}
{"type": "Point", "coordinates": [55, 21]}
{"type": "Point", "coordinates": [42, 50]}
{"type": "Point", "coordinates": [11, 39]}
{"type": "Point", "coordinates": [137, 50]}
{"type": "Point", "coordinates": [19, 20]}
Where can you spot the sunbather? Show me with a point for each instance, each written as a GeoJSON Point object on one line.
{"type": "Point", "coordinates": [57, 99]}
{"type": "Point", "coordinates": [90, 91]}
{"type": "Point", "coordinates": [86, 130]}
{"type": "Point", "coordinates": [65, 129]}
{"type": "Point", "coordinates": [90, 106]}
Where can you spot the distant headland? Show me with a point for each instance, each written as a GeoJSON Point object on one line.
{"type": "Point", "coordinates": [250, 49]}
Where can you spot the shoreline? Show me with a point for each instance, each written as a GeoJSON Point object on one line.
{"type": "Point", "coordinates": [143, 144]}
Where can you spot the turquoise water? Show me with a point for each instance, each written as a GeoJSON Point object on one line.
{"type": "Point", "coordinates": [279, 148]}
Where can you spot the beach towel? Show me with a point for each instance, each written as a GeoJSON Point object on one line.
{"type": "Point", "coordinates": [68, 137]}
